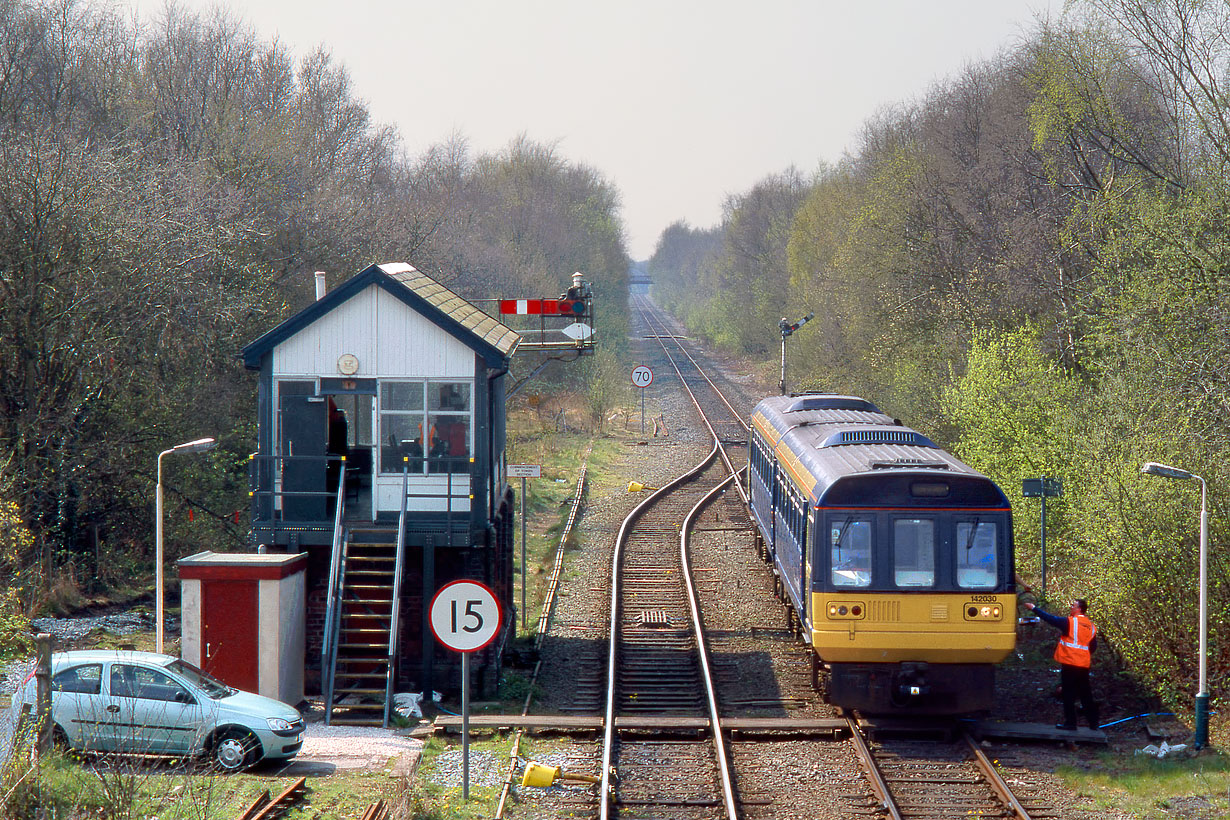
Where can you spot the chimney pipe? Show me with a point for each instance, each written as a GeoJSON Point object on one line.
{"type": "Point", "coordinates": [320, 285]}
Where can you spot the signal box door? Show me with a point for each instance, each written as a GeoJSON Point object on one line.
{"type": "Point", "coordinates": [229, 622]}
{"type": "Point", "coordinates": [304, 427]}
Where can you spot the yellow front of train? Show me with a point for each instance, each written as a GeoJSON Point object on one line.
{"type": "Point", "coordinates": [920, 653]}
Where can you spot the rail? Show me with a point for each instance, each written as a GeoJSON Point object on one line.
{"type": "Point", "coordinates": [696, 402]}
{"type": "Point", "coordinates": [333, 621]}
{"type": "Point", "coordinates": [395, 617]}
{"type": "Point", "coordinates": [998, 784]}
{"type": "Point", "coordinates": [719, 738]}
{"type": "Point", "coordinates": [275, 508]}
{"type": "Point", "coordinates": [608, 730]}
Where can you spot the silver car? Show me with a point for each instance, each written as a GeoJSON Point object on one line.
{"type": "Point", "coordinates": [143, 703]}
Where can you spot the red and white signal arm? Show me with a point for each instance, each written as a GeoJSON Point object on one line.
{"type": "Point", "coordinates": [465, 616]}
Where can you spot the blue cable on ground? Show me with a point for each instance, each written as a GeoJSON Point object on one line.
{"type": "Point", "coordinates": [1133, 717]}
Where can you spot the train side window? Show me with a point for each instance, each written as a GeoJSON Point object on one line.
{"type": "Point", "coordinates": [914, 552]}
{"type": "Point", "coordinates": [850, 552]}
{"type": "Point", "coordinates": [977, 554]}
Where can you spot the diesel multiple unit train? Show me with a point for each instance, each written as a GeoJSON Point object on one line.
{"type": "Point", "coordinates": [894, 555]}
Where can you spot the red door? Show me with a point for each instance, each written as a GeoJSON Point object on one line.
{"type": "Point", "coordinates": [228, 632]}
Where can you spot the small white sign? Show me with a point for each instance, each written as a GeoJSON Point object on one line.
{"type": "Point", "coordinates": [578, 331]}
{"type": "Point", "coordinates": [525, 471]}
{"type": "Point", "coordinates": [642, 376]}
{"type": "Point", "coordinates": [465, 616]}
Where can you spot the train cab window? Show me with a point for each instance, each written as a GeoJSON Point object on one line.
{"type": "Point", "coordinates": [914, 552]}
{"type": "Point", "coordinates": [977, 554]}
{"type": "Point", "coordinates": [850, 552]}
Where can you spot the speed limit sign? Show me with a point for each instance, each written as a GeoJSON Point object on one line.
{"type": "Point", "coordinates": [465, 616]}
{"type": "Point", "coordinates": [642, 376]}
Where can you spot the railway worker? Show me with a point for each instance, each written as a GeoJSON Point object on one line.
{"type": "Point", "coordinates": [1075, 655]}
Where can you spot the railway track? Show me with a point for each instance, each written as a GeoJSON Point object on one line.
{"type": "Point", "coordinates": [914, 779]}
{"type": "Point", "coordinates": [664, 751]}
{"type": "Point", "coordinates": [658, 662]}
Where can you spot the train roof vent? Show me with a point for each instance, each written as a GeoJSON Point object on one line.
{"type": "Point", "coordinates": [831, 403]}
{"type": "Point", "coordinates": [910, 463]}
{"type": "Point", "coordinates": [880, 436]}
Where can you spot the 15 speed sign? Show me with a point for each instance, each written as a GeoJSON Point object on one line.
{"type": "Point", "coordinates": [465, 616]}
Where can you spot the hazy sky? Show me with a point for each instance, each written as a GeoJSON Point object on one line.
{"type": "Point", "coordinates": [679, 103]}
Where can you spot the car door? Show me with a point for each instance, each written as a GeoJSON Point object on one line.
{"type": "Point", "coordinates": [157, 713]}
{"type": "Point", "coordinates": [78, 707]}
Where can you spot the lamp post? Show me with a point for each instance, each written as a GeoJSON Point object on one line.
{"type": "Point", "coordinates": [197, 446]}
{"type": "Point", "coordinates": [1202, 694]}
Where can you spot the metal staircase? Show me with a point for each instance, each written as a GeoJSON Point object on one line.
{"type": "Point", "coordinates": [365, 619]}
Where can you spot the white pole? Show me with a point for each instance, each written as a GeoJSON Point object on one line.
{"type": "Point", "coordinates": [465, 725]}
{"type": "Point", "coordinates": [525, 575]}
{"type": "Point", "coordinates": [158, 616]}
{"type": "Point", "coordinates": [1202, 696]}
{"type": "Point", "coordinates": [196, 446]}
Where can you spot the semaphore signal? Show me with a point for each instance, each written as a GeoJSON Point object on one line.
{"type": "Point", "coordinates": [543, 307]}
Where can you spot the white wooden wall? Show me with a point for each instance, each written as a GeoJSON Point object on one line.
{"type": "Point", "coordinates": [391, 341]}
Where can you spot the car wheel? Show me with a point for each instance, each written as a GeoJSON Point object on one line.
{"type": "Point", "coordinates": [59, 740]}
{"type": "Point", "coordinates": [235, 751]}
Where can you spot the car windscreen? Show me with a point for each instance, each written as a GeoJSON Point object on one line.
{"type": "Point", "coordinates": [214, 688]}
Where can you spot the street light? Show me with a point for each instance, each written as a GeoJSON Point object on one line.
{"type": "Point", "coordinates": [1202, 695]}
{"type": "Point", "coordinates": [197, 446]}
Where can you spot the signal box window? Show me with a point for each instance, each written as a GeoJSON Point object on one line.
{"type": "Point", "coordinates": [977, 555]}
{"type": "Point", "coordinates": [427, 423]}
{"type": "Point", "coordinates": [448, 411]}
{"type": "Point", "coordinates": [401, 426]}
{"type": "Point", "coordinates": [850, 554]}
{"type": "Point", "coordinates": [914, 552]}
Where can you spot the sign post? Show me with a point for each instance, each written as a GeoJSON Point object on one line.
{"type": "Point", "coordinates": [642, 377]}
{"type": "Point", "coordinates": [465, 617]}
{"type": "Point", "coordinates": [1042, 488]}
{"type": "Point", "coordinates": [524, 471]}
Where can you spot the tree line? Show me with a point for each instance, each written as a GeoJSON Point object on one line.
{"type": "Point", "coordinates": [1030, 261]}
{"type": "Point", "coordinates": [166, 192]}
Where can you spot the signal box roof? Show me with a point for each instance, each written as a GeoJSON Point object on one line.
{"type": "Point", "coordinates": [486, 335]}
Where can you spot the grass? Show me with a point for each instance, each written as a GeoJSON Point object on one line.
{"type": "Point", "coordinates": [1148, 788]}
{"type": "Point", "coordinates": [134, 787]}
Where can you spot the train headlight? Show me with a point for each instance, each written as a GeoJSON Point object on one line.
{"type": "Point", "coordinates": [987, 610]}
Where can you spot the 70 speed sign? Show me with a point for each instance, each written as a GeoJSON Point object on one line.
{"type": "Point", "coordinates": [642, 376]}
{"type": "Point", "coordinates": [465, 616]}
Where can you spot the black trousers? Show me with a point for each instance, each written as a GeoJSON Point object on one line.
{"type": "Point", "coordinates": [1074, 681]}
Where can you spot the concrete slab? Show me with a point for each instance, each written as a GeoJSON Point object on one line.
{"type": "Point", "coordinates": [328, 750]}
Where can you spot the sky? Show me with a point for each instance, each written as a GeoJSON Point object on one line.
{"type": "Point", "coordinates": [679, 104]}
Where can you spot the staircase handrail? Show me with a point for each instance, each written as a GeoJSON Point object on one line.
{"type": "Point", "coordinates": [328, 649]}
{"type": "Point", "coordinates": [394, 632]}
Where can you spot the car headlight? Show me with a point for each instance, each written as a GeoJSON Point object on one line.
{"type": "Point", "coordinates": [279, 724]}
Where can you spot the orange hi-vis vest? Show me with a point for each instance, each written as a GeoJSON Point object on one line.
{"type": "Point", "coordinates": [1073, 650]}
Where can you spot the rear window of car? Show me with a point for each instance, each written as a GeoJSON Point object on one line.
{"type": "Point", "coordinates": [82, 680]}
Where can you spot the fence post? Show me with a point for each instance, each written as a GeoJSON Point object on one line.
{"type": "Point", "coordinates": [42, 676]}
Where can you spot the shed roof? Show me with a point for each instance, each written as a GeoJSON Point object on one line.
{"type": "Point", "coordinates": [487, 336]}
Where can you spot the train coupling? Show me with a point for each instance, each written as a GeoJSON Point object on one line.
{"type": "Point", "coordinates": [910, 682]}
